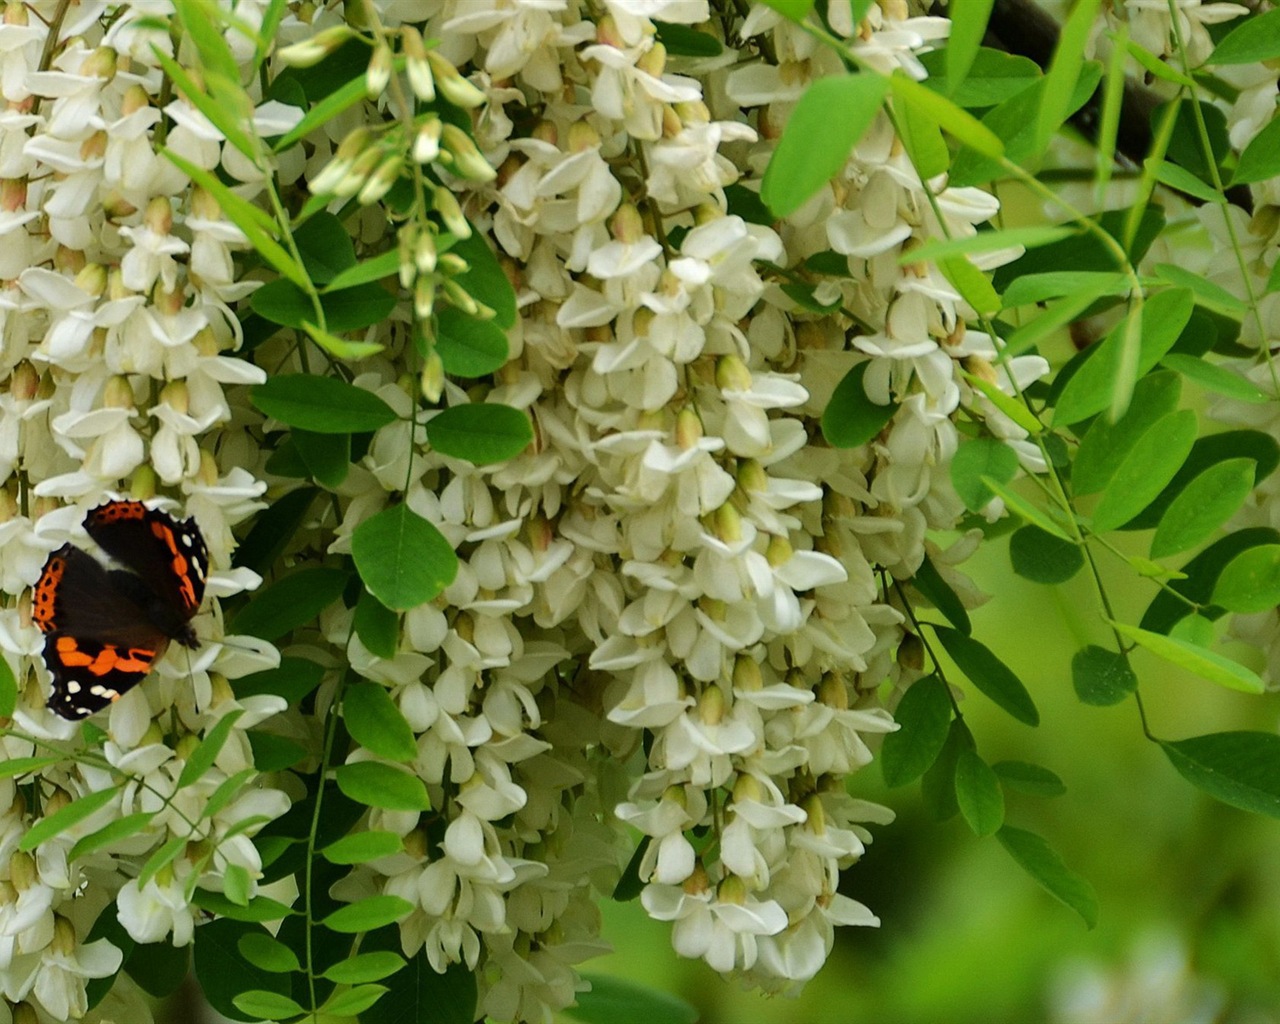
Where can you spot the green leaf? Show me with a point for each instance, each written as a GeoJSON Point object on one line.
{"type": "Point", "coordinates": [825, 125]}
{"type": "Point", "coordinates": [630, 884]}
{"type": "Point", "coordinates": [1034, 288]}
{"type": "Point", "coordinates": [683, 41]}
{"type": "Point", "coordinates": [377, 626]}
{"type": "Point", "coordinates": [1209, 451]}
{"type": "Point", "coordinates": [1250, 582]}
{"type": "Point", "coordinates": [418, 994]}
{"type": "Point", "coordinates": [223, 971]}
{"type": "Point", "coordinates": [978, 794]}
{"type": "Point", "coordinates": [1180, 178]}
{"type": "Point", "coordinates": [968, 26]}
{"type": "Point", "coordinates": [1033, 779]}
{"type": "Point", "coordinates": [166, 854]}
{"type": "Point", "coordinates": [922, 138]}
{"type": "Point", "coordinates": [328, 108]}
{"type": "Point", "coordinates": [203, 757]}
{"type": "Point", "coordinates": [1205, 504]}
{"type": "Point", "coordinates": [353, 1001]}
{"type": "Point", "coordinates": [67, 817]}
{"type": "Point", "coordinates": [989, 674]}
{"type": "Point", "coordinates": [1038, 859]}
{"type": "Point", "coordinates": [938, 786]}
{"type": "Point", "coordinates": [16, 766]}
{"type": "Point", "coordinates": [469, 347]}
{"type": "Point", "coordinates": [367, 914]}
{"type": "Point", "coordinates": [272, 531]}
{"type": "Point", "coordinates": [361, 847]}
{"type": "Point", "coordinates": [236, 884]}
{"type": "Point", "coordinates": [292, 679]}
{"type": "Point", "coordinates": [938, 592]}
{"type": "Point", "coordinates": [1053, 318]}
{"type": "Point", "coordinates": [1213, 377]}
{"type": "Point", "coordinates": [325, 247]}
{"type": "Point", "coordinates": [957, 122]}
{"type": "Point", "coordinates": [612, 1000]}
{"type": "Point", "coordinates": [380, 785]}
{"type": "Point", "coordinates": [268, 1005]}
{"type": "Point", "coordinates": [1007, 404]}
{"type": "Point", "coordinates": [1020, 506]}
{"type": "Point", "coordinates": [247, 217]}
{"type": "Point", "coordinates": [1239, 768]}
{"type": "Point", "coordinates": [227, 790]}
{"type": "Point", "coordinates": [225, 117]}
{"type": "Point", "coordinates": [261, 950]}
{"type": "Point", "coordinates": [924, 718]}
{"type": "Point", "coordinates": [1204, 663]}
{"type": "Point", "coordinates": [1064, 71]}
{"type": "Point", "coordinates": [1146, 469]}
{"type": "Point", "coordinates": [1211, 296]}
{"type": "Point", "coordinates": [157, 967]}
{"type": "Point", "coordinates": [1105, 444]}
{"type": "Point", "coordinates": [485, 281]}
{"type": "Point", "coordinates": [1201, 573]}
{"type": "Point", "coordinates": [1089, 391]}
{"type": "Point", "coordinates": [289, 602]}
{"type": "Point", "coordinates": [1255, 39]}
{"type": "Point", "coordinates": [374, 721]}
{"type": "Point", "coordinates": [258, 909]}
{"type": "Point", "coordinates": [980, 458]}
{"type": "Point", "coordinates": [365, 967]}
{"type": "Point", "coordinates": [851, 418]}
{"type": "Point", "coordinates": [994, 77]}
{"type": "Point", "coordinates": [482, 433]}
{"type": "Point", "coordinates": [972, 284]}
{"type": "Point", "coordinates": [322, 404]}
{"type": "Point", "coordinates": [375, 269]}
{"type": "Point", "coordinates": [272, 753]}
{"type": "Point", "coordinates": [1043, 558]}
{"type": "Point", "coordinates": [402, 558]}
{"type": "Point", "coordinates": [348, 309]}
{"type": "Point", "coordinates": [327, 456]}
{"type": "Point", "coordinates": [8, 689]}
{"type": "Point", "coordinates": [1101, 677]}
{"type": "Point", "coordinates": [114, 832]}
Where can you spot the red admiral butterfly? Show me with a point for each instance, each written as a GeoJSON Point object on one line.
{"type": "Point", "coordinates": [106, 627]}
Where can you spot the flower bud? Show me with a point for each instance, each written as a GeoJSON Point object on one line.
{"type": "Point", "coordinates": [732, 889]}
{"type": "Point", "coordinates": [380, 182]}
{"type": "Point", "coordinates": [358, 173]}
{"type": "Point", "coordinates": [378, 74]}
{"type": "Point", "coordinates": [415, 844]}
{"type": "Point", "coordinates": [711, 705]}
{"type": "Point", "coordinates": [56, 800]}
{"type": "Point", "coordinates": [627, 225]}
{"type": "Point", "coordinates": [424, 252]}
{"type": "Point", "coordinates": [688, 429]}
{"type": "Point", "coordinates": [186, 746]}
{"type": "Point", "coordinates": [208, 468]}
{"type": "Point", "coordinates": [432, 377]}
{"type": "Point", "coordinates": [142, 482]}
{"type": "Point", "coordinates": [911, 653]}
{"type": "Point", "coordinates": [747, 677]}
{"type": "Point", "coordinates": [446, 204]}
{"type": "Point", "coordinates": [732, 374]}
{"type": "Point", "coordinates": [426, 143]}
{"type": "Point", "coordinates": [421, 81]}
{"type": "Point", "coordinates": [816, 815]}
{"type": "Point", "coordinates": [24, 382]}
{"type": "Point", "coordinates": [451, 85]}
{"type": "Point", "coordinates": [64, 936]}
{"type": "Point", "coordinates": [583, 137]}
{"type": "Point", "coordinates": [9, 508]}
{"type": "Point", "coordinates": [94, 147]}
{"type": "Point", "coordinates": [698, 882]}
{"type": "Point", "coordinates": [981, 369]}
{"type": "Point", "coordinates": [424, 296]}
{"type": "Point", "coordinates": [467, 159]}
{"type": "Point", "coordinates": [118, 393]}
{"type": "Point", "coordinates": [152, 736]}
{"type": "Point", "coordinates": [176, 397]}
{"type": "Point", "coordinates": [451, 264]}
{"type": "Point", "coordinates": [727, 524]}
{"type": "Point", "coordinates": [778, 552]}
{"type": "Point", "coordinates": [833, 692]}
{"type": "Point", "coordinates": [459, 296]}
{"type": "Point", "coordinates": [747, 787]}
{"type": "Point", "coordinates": [92, 279]}
{"type": "Point", "coordinates": [312, 51]}
{"type": "Point", "coordinates": [22, 871]}
{"type": "Point", "coordinates": [16, 14]}
{"type": "Point", "coordinates": [159, 215]}
{"type": "Point", "coordinates": [13, 194]}
{"type": "Point", "coordinates": [101, 63]}
{"type": "Point", "coordinates": [752, 477]}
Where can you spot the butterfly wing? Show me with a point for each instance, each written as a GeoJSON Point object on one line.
{"type": "Point", "coordinates": [98, 642]}
{"type": "Point", "coordinates": [169, 555]}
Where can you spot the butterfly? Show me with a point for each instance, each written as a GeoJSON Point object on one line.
{"type": "Point", "coordinates": [104, 626]}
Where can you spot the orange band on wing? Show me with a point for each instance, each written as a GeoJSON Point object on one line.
{"type": "Point", "coordinates": [109, 659]}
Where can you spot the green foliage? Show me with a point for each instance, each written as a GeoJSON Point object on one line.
{"type": "Point", "coordinates": [374, 721]}
{"type": "Point", "coordinates": [989, 674]}
{"type": "Point", "coordinates": [851, 418]}
{"type": "Point", "coordinates": [290, 602]}
{"type": "Point", "coordinates": [402, 558]}
{"type": "Point", "coordinates": [380, 785]}
{"type": "Point", "coordinates": [1239, 768]}
{"type": "Point", "coordinates": [324, 405]}
{"type": "Point", "coordinates": [1101, 677]}
{"type": "Point", "coordinates": [924, 718]}
{"type": "Point", "coordinates": [613, 999]}
{"type": "Point", "coordinates": [1042, 557]}
{"type": "Point", "coordinates": [483, 433]}
{"type": "Point", "coordinates": [1038, 859]}
{"type": "Point", "coordinates": [978, 794]}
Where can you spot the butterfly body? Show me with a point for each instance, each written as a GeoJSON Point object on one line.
{"type": "Point", "coordinates": [105, 627]}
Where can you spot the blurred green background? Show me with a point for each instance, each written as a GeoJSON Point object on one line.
{"type": "Point", "coordinates": [1189, 889]}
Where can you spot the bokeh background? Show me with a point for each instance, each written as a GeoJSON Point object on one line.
{"type": "Point", "coordinates": [1189, 889]}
